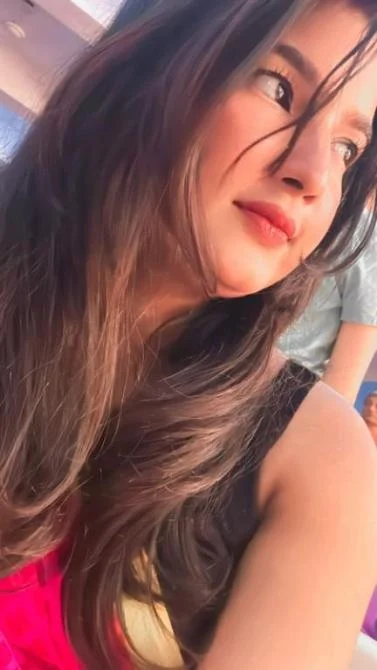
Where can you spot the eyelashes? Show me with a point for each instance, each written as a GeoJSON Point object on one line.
{"type": "Point", "coordinates": [276, 85]}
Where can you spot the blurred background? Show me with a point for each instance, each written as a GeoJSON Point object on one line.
{"type": "Point", "coordinates": [38, 39]}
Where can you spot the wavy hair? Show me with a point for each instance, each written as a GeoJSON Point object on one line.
{"type": "Point", "coordinates": [108, 168]}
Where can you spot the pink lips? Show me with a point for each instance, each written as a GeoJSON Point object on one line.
{"type": "Point", "coordinates": [269, 221]}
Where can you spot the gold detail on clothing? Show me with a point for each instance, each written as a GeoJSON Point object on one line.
{"type": "Point", "coordinates": [151, 631]}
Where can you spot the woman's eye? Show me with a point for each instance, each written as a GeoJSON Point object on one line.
{"type": "Point", "coordinates": [275, 86]}
{"type": "Point", "coordinates": [348, 150]}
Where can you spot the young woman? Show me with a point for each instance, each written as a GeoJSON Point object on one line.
{"type": "Point", "coordinates": [196, 500]}
{"type": "Point", "coordinates": [369, 414]}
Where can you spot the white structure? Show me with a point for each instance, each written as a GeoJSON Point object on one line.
{"type": "Point", "coordinates": [38, 39]}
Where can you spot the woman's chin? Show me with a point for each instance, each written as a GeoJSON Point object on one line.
{"type": "Point", "coordinates": [241, 288]}
{"type": "Point", "coordinates": [229, 291]}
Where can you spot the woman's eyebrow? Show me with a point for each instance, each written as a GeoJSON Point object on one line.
{"type": "Point", "coordinates": [360, 122]}
{"type": "Point", "coordinates": [301, 63]}
{"type": "Point", "coordinates": [310, 73]}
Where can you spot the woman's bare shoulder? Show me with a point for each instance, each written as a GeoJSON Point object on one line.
{"type": "Point", "coordinates": [326, 451]}
{"type": "Point", "coordinates": [313, 557]}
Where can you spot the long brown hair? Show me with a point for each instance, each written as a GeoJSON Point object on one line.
{"type": "Point", "coordinates": [108, 167]}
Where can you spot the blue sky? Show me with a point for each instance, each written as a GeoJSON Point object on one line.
{"type": "Point", "coordinates": [101, 10]}
{"type": "Point", "coordinates": [12, 130]}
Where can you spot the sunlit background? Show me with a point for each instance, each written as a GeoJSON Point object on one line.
{"type": "Point", "coordinates": [38, 39]}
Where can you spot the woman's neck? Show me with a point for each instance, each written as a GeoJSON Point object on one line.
{"type": "Point", "coordinates": [159, 314]}
{"type": "Point", "coordinates": [167, 297]}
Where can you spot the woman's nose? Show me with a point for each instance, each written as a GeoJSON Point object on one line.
{"type": "Point", "coordinates": [306, 169]}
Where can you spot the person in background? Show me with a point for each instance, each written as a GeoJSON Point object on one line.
{"type": "Point", "coordinates": [336, 336]}
{"type": "Point", "coordinates": [369, 414]}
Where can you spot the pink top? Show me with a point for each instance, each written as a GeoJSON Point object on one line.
{"type": "Point", "coordinates": [32, 635]}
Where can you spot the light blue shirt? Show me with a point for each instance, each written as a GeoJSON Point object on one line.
{"type": "Point", "coordinates": [349, 297]}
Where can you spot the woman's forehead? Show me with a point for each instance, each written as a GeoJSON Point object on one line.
{"type": "Point", "coordinates": [341, 27]}
{"type": "Point", "coordinates": [327, 34]}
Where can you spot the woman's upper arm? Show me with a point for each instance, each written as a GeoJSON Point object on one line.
{"type": "Point", "coordinates": [345, 373]}
{"type": "Point", "coordinates": [305, 580]}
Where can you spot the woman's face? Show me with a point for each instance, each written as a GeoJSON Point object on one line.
{"type": "Point", "coordinates": [370, 410]}
{"type": "Point", "coordinates": [260, 226]}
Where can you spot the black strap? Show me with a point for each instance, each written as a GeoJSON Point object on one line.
{"type": "Point", "coordinates": [240, 516]}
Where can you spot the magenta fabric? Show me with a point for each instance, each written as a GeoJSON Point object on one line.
{"type": "Point", "coordinates": [32, 635]}
{"type": "Point", "coordinates": [370, 623]}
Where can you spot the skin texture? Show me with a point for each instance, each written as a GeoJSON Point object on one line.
{"type": "Point", "coordinates": [308, 185]}
{"type": "Point", "coordinates": [308, 574]}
